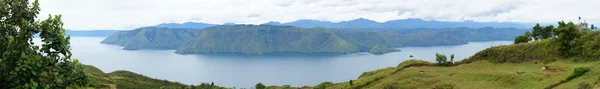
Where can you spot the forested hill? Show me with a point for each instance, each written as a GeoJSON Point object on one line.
{"type": "Point", "coordinates": [151, 38]}
{"type": "Point", "coordinates": [259, 39]}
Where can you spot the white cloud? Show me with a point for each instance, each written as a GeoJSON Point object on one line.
{"type": "Point", "coordinates": [129, 14]}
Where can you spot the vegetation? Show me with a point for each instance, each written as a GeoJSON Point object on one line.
{"type": "Point", "coordinates": [122, 79]}
{"type": "Point", "coordinates": [151, 38]}
{"type": "Point", "coordinates": [381, 50]}
{"type": "Point", "coordinates": [531, 65]}
{"type": "Point", "coordinates": [264, 39]}
{"type": "Point", "coordinates": [24, 65]}
{"type": "Point", "coordinates": [268, 39]}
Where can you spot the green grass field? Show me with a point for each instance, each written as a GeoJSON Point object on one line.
{"type": "Point", "coordinates": [477, 75]}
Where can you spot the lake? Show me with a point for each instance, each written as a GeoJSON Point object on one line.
{"type": "Point", "coordinates": [247, 70]}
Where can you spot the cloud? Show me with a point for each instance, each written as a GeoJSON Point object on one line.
{"type": "Point", "coordinates": [129, 14]}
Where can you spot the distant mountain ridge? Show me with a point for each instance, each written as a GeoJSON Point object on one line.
{"type": "Point", "coordinates": [366, 23]}
{"type": "Point", "coordinates": [269, 39]}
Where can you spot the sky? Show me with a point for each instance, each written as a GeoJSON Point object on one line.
{"type": "Point", "coordinates": [130, 14]}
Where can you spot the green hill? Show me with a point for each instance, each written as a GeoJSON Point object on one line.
{"type": "Point", "coordinates": [122, 79]}
{"type": "Point", "coordinates": [381, 50]}
{"type": "Point", "coordinates": [534, 65]}
{"type": "Point", "coordinates": [264, 39]}
{"type": "Point", "coordinates": [151, 38]}
{"type": "Point", "coordinates": [261, 39]}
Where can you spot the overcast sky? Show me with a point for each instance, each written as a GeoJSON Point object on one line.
{"type": "Point", "coordinates": [129, 14]}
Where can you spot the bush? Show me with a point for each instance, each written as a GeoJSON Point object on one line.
{"type": "Point", "coordinates": [579, 71]}
{"type": "Point", "coordinates": [260, 86]}
{"type": "Point", "coordinates": [323, 85]}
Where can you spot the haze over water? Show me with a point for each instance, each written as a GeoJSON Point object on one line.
{"type": "Point", "coordinates": [247, 70]}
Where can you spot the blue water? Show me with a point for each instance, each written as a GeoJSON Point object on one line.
{"type": "Point", "coordinates": [247, 70]}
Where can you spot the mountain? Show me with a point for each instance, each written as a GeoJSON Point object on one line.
{"type": "Point", "coordinates": [193, 25]}
{"type": "Point", "coordinates": [151, 38]}
{"type": "Point", "coordinates": [262, 39]}
{"type": "Point", "coordinates": [91, 33]}
{"type": "Point", "coordinates": [361, 23]}
{"type": "Point", "coordinates": [402, 23]}
{"type": "Point", "coordinates": [266, 39]}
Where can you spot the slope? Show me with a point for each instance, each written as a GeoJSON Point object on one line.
{"type": "Point", "coordinates": [151, 38]}
{"type": "Point", "coordinates": [265, 39]}
{"type": "Point", "coordinates": [532, 65]}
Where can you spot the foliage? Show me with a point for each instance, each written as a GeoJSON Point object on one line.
{"type": "Point", "coordinates": [452, 58]}
{"type": "Point", "coordinates": [323, 85]}
{"type": "Point", "coordinates": [24, 65]}
{"type": "Point", "coordinates": [260, 86]}
{"type": "Point", "coordinates": [578, 71]}
{"type": "Point", "coordinates": [566, 32]}
{"type": "Point", "coordinates": [441, 59]}
{"type": "Point", "coordinates": [522, 39]}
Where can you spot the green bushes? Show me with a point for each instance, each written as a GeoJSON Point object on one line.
{"type": "Point", "coordinates": [577, 72]}
{"type": "Point", "coordinates": [323, 85]}
{"type": "Point", "coordinates": [260, 86]}
{"type": "Point", "coordinates": [442, 60]}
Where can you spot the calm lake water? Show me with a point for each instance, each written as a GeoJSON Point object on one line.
{"type": "Point", "coordinates": [247, 70]}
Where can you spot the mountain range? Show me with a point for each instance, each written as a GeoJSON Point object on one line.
{"type": "Point", "coordinates": [269, 39]}
{"type": "Point", "coordinates": [366, 23]}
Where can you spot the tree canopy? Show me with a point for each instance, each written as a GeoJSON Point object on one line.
{"type": "Point", "coordinates": [25, 65]}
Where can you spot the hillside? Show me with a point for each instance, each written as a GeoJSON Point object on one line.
{"type": "Point", "coordinates": [532, 65]}
{"type": "Point", "coordinates": [122, 79]}
{"type": "Point", "coordinates": [150, 38]}
{"type": "Point", "coordinates": [264, 39]}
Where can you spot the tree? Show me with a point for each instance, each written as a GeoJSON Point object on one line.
{"type": "Point", "coordinates": [411, 56]}
{"type": "Point", "coordinates": [537, 32]}
{"type": "Point", "coordinates": [593, 27]}
{"type": "Point", "coordinates": [547, 32]}
{"type": "Point", "coordinates": [260, 86]}
{"type": "Point", "coordinates": [25, 65]}
{"type": "Point", "coordinates": [566, 32]}
{"type": "Point", "coordinates": [452, 58]}
{"type": "Point", "coordinates": [350, 83]}
{"type": "Point", "coordinates": [440, 58]}
{"type": "Point", "coordinates": [521, 39]}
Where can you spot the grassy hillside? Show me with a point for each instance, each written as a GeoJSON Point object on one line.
{"type": "Point", "coordinates": [533, 65]}
{"type": "Point", "coordinates": [122, 79]}
{"type": "Point", "coordinates": [264, 39]}
{"type": "Point", "coordinates": [151, 38]}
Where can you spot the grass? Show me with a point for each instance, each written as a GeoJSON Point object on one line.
{"type": "Point", "coordinates": [479, 74]}
{"type": "Point", "coordinates": [502, 67]}
{"type": "Point", "coordinates": [126, 80]}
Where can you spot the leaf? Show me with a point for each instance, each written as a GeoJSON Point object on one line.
{"type": "Point", "coordinates": [35, 84]}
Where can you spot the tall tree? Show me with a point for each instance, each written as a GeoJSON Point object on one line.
{"type": "Point", "coordinates": [452, 58]}
{"type": "Point", "coordinates": [537, 32]}
{"type": "Point", "coordinates": [547, 32]}
{"type": "Point", "coordinates": [566, 32]}
{"type": "Point", "coordinates": [25, 65]}
{"type": "Point", "coordinates": [441, 58]}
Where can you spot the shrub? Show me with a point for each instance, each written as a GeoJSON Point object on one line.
{"type": "Point", "coordinates": [260, 86]}
{"type": "Point", "coordinates": [323, 85]}
{"type": "Point", "coordinates": [579, 71]}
